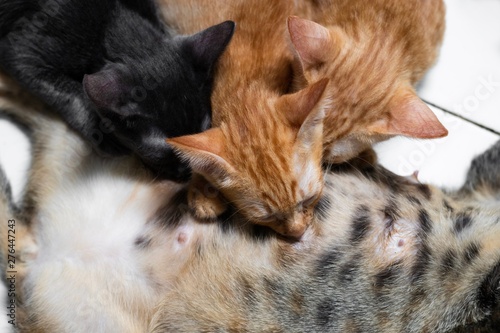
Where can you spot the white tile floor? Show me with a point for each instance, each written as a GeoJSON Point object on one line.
{"type": "Point", "coordinates": [466, 80]}
{"type": "Point", "coordinates": [467, 77]}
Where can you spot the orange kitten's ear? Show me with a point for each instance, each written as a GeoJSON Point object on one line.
{"type": "Point", "coordinates": [204, 153]}
{"type": "Point", "coordinates": [305, 110]}
{"type": "Point", "coordinates": [313, 43]}
{"type": "Point", "coordinates": [298, 106]}
{"type": "Point", "coordinates": [410, 116]}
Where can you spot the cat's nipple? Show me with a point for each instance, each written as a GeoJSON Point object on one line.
{"type": "Point", "coordinates": [182, 237]}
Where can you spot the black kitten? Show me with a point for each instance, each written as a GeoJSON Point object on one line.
{"type": "Point", "coordinates": [143, 84]}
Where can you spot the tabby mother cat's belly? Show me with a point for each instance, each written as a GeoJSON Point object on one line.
{"type": "Point", "coordinates": [93, 268]}
{"type": "Point", "coordinates": [117, 252]}
{"type": "Point", "coordinates": [112, 246]}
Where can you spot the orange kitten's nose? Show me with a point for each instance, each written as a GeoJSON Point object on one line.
{"type": "Point", "coordinates": [296, 227]}
{"type": "Point", "coordinates": [293, 227]}
{"type": "Point", "coordinates": [288, 230]}
{"type": "Point", "coordinates": [295, 230]}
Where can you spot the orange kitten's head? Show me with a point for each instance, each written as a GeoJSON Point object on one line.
{"type": "Point", "coordinates": [268, 165]}
{"type": "Point", "coordinates": [370, 87]}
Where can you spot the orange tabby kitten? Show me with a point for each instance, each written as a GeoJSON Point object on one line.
{"type": "Point", "coordinates": [373, 52]}
{"type": "Point", "coordinates": [265, 152]}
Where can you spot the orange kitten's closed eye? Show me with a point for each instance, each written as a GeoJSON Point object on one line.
{"type": "Point", "coordinates": [266, 150]}
{"type": "Point", "coordinates": [272, 177]}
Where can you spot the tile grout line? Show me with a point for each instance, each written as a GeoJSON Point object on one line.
{"type": "Point", "coordinates": [462, 117]}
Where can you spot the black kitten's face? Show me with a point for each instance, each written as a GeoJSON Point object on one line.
{"type": "Point", "coordinates": [150, 101]}
{"type": "Point", "coordinates": [164, 95]}
{"type": "Point", "coordinates": [173, 102]}
{"type": "Point", "coordinates": [173, 95]}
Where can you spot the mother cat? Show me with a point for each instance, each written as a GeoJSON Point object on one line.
{"type": "Point", "coordinates": [102, 247]}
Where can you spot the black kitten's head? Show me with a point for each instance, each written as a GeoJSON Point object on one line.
{"type": "Point", "coordinates": [165, 94]}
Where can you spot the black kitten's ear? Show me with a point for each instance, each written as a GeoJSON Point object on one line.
{"type": "Point", "coordinates": [206, 46]}
{"type": "Point", "coordinates": [104, 89]}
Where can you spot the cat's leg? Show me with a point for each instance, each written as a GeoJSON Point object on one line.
{"type": "Point", "coordinates": [483, 177]}
{"type": "Point", "coordinates": [205, 201]}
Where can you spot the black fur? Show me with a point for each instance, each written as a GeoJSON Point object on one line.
{"type": "Point", "coordinates": [489, 292]}
{"type": "Point", "coordinates": [471, 252]}
{"type": "Point", "coordinates": [349, 271]}
{"type": "Point", "coordinates": [448, 263]}
{"type": "Point", "coordinates": [143, 243]}
{"type": "Point", "coordinates": [414, 200]}
{"type": "Point", "coordinates": [114, 72]}
{"type": "Point", "coordinates": [462, 221]}
{"type": "Point", "coordinates": [425, 190]}
{"type": "Point", "coordinates": [170, 215]}
{"type": "Point", "coordinates": [328, 263]}
{"type": "Point", "coordinates": [485, 171]}
{"type": "Point", "coordinates": [425, 223]}
{"type": "Point", "coordinates": [387, 277]}
{"type": "Point", "coordinates": [422, 263]}
{"type": "Point", "coordinates": [325, 312]}
{"type": "Point", "coordinates": [360, 224]}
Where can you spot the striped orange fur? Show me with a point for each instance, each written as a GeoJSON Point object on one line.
{"type": "Point", "coordinates": [266, 149]}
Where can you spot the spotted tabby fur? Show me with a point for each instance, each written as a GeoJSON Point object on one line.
{"type": "Point", "coordinates": [115, 251]}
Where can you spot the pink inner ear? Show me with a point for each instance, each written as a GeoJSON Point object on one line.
{"type": "Point", "coordinates": [103, 89]}
{"type": "Point", "coordinates": [298, 106]}
{"type": "Point", "coordinates": [205, 152]}
{"type": "Point", "coordinates": [310, 40]}
{"type": "Point", "coordinates": [410, 116]}
{"type": "Point", "coordinates": [210, 141]}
